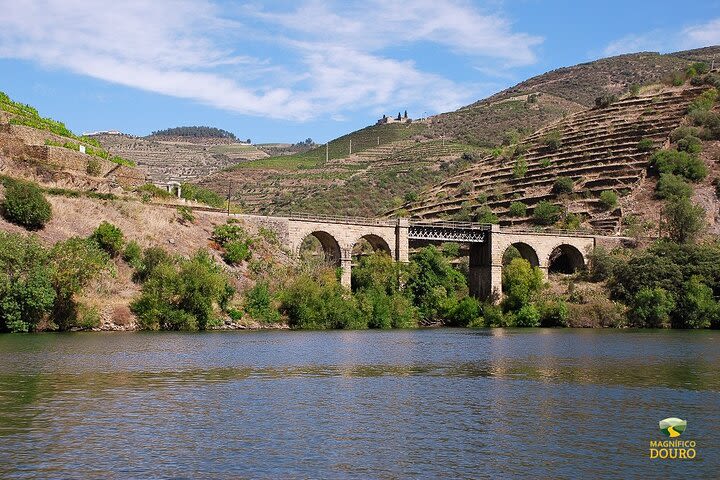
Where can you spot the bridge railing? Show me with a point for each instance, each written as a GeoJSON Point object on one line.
{"type": "Point", "coordinates": [450, 224]}
{"type": "Point", "coordinates": [340, 219]}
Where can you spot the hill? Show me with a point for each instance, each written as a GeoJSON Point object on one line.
{"type": "Point", "coordinates": [194, 132]}
{"type": "Point", "coordinates": [391, 163]}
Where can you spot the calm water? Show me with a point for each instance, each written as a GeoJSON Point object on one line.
{"type": "Point", "coordinates": [426, 403]}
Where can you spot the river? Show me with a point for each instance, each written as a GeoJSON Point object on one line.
{"type": "Point", "coordinates": [440, 403]}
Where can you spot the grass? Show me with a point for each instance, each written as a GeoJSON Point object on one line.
{"type": "Point", "coordinates": [363, 139]}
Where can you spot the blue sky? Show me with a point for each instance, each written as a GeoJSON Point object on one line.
{"type": "Point", "coordinates": [288, 70]}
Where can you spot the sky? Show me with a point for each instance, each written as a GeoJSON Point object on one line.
{"type": "Point", "coordinates": [287, 70]}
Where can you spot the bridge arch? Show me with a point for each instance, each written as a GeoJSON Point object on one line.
{"type": "Point", "coordinates": [371, 241]}
{"type": "Point", "coordinates": [329, 245]}
{"type": "Point", "coordinates": [526, 251]}
{"type": "Point", "coordinates": [565, 258]}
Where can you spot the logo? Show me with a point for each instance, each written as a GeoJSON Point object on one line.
{"type": "Point", "coordinates": [673, 427]}
{"type": "Point", "coordinates": [673, 449]}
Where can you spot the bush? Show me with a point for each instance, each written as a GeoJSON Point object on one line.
{"type": "Point", "coordinates": [229, 232]}
{"type": "Point", "coordinates": [521, 282]}
{"type": "Point", "coordinates": [26, 290]}
{"type": "Point", "coordinates": [646, 145]}
{"type": "Point", "coordinates": [520, 168]}
{"type": "Point", "coordinates": [109, 238]}
{"type": "Point", "coordinates": [236, 252]}
{"type": "Point", "coordinates": [608, 199]}
{"type": "Point", "coordinates": [679, 163]}
{"type": "Point", "coordinates": [553, 313]}
{"type": "Point", "coordinates": [25, 205]}
{"type": "Point", "coordinates": [689, 144]}
{"type": "Point", "coordinates": [434, 284]}
{"type": "Point", "coordinates": [517, 209]}
{"type": "Point", "coordinates": [601, 264]}
{"type": "Point", "coordinates": [671, 185]}
{"type": "Point", "coordinates": [94, 167]}
{"type": "Point", "coordinates": [704, 102]}
{"type": "Point", "coordinates": [699, 308]}
{"type": "Point", "coordinates": [133, 254]}
{"type": "Point", "coordinates": [466, 312]}
{"type": "Point", "coordinates": [527, 316]}
{"type": "Point", "coordinates": [484, 214]}
{"type": "Point", "coordinates": [651, 307]}
{"type": "Point", "coordinates": [546, 213]}
{"type": "Point", "coordinates": [186, 214]}
{"type": "Point", "coordinates": [182, 294]}
{"type": "Point", "coordinates": [258, 304]}
{"type": "Point", "coordinates": [605, 101]}
{"type": "Point", "coordinates": [202, 195]}
{"type": "Point", "coordinates": [382, 310]}
{"type": "Point", "coordinates": [545, 162]}
{"type": "Point", "coordinates": [563, 185]}
{"type": "Point", "coordinates": [552, 140]}
{"type": "Point", "coordinates": [682, 220]}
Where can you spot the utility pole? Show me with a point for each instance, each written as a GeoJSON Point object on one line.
{"type": "Point", "coordinates": [327, 151]}
{"type": "Point", "coordinates": [378, 141]}
{"type": "Point", "coordinates": [228, 197]}
{"type": "Point", "coordinates": [351, 146]}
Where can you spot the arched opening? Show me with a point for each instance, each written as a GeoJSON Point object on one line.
{"type": "Point", "coordinates": [521, 250]}
{"type": "Point", "coordinates": [370, 243]}
{"type": "Point", "coordinates": [565, 259]}
{"type": "Point", "coordinates": [321, 246]}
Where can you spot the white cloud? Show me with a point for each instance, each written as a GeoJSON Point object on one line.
{"type": "Point", "coordinates": [321, 62]}
{"type": "Point", "coordinates": [694, 36]}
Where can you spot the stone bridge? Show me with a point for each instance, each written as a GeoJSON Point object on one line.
{"type": "Point", "coordinates": [340, 238]}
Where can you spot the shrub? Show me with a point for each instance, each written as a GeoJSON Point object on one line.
{"type": "Point", "coordinates": [182, 294]}
{"type": "Point", "coordinates": [186, 214]}
{"type": "Point", "coordinates": [704, 102]}
{"type": "Point", "coordinates": [671, 185]}
{"type": "Point", "coordinates": [94, 167]}
{"type": "Point", "coordinates": [651, 307]}
{"type": "Point", "coordinates": [410, 197]}
{"type": "Point", "coordinates": [601, 264]}
{"type": "Point", "coordinates": [646, 145]}
{"type": "Point", "coordinates": [683, 132]}
{"type": "Point", "coordinates": [546, 213]}
{"type": "Point", "coordinates": [552, 140]}
{"type": "Point", "coordinates": [605, 101]}
{"type": "Point", "coordinates": [690, 144]}
{"type": "Point", "coordinates": [521, 282]}
{"type": "Point", "coordinates": [545, 162]}
{"type": "Point", "coordinates": [608, 199]}
{"type": "Point", "coordinates": [679, 163]}
{"type": "Point", "coordinates": [228, 232]}
{"type": "Point", "coordinates": [25, 205]}
{"type": "Point", "coordinates": [484, 214]}
{"type": "Point", "coordinates": [527, 316]}
{"type": "Point", "coordinates": [382, 310]}
{"type": "Point", "coordinates": [109, 238]}
{"type": "Point", "coordinates": [464, 313]}
{"type": "Point", "coordinates": [148, 191]}
{"type": "Point", "coordinates": [434, 283]}
{"type": "Point", "coordinates": [133, 254]}
{"type": "Point", "coordinates": [520, 168]}
{"type": "Point", "coordinates": [517, 209]}
{"type": "Point", "coordinates": [258, 304]}
{"type": "Point", "coordinates": [26, 290]}
{"type": "Point", "coordinates": [553, 313]}
{"type": "Point", "coordinates": [236, 252]}
{"type": "Point", "coordinates": [699, 308]}
{"type": "Point", "coordinates": [634, 90]}
{"type": "Point", "coordinates": [682, 220]}
{"type": "Point", "coordinates": [465, 187]}
{"type": "Point", "coordinates": [563, 185]}
{"type": "Point", "coordinates": [202, 195]}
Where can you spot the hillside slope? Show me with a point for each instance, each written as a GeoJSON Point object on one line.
{"type": "Point", "coordinates": [597, 150]}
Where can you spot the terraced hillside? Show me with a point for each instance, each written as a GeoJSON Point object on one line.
{"type": "Point", "coordinates": [560, 92]}
{"type": "Point", "coordinates": [179, 160]}
{"type": "Point", "coordinates": [600, 149]}
{"type": "Point", "coordinates": [366, 183]}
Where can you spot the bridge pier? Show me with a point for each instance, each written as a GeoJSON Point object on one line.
{"type": "Point", "coordinates": [346, 269]}
{"type": "Point", "coordinates": [485, 272]}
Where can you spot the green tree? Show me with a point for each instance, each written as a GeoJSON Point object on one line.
{"type": "Point", "coordinates": [521, 283]}
{"type": "Point", "coordinates": [563, 185]}
{"type": "Point", "coordinates": [670, 186]}
{"type": "Point", "coordinates": [26, 291]}
{"type": "Point", "coordinates": [25, 205]}
{"type": "Point", "coordinates": [258, 304]}
{"type": "Point", "coordinates": [484, 214]}
{"type": "Point", "coordinates": [434, 284]}
{"type": "Point", "coordinates": [682, 220]}
{"type": "Point", "coordinates": [697, 307]}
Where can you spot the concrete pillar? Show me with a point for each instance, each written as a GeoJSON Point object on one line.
{"type": "Point", "coordinates": [346, 274]}
{"type": "Point", "coordinates": [179, 192]}
{"type": "Point", "coordinates": [485, 275]}
{"type": "Point", "coordinates": [402, 241]}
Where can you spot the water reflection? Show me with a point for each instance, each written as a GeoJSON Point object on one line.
{"type": "Point", "coordinates": [430, 403]}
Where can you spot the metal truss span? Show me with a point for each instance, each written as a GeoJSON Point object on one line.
{"type": "Point", "coordinates": [449, 231]}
